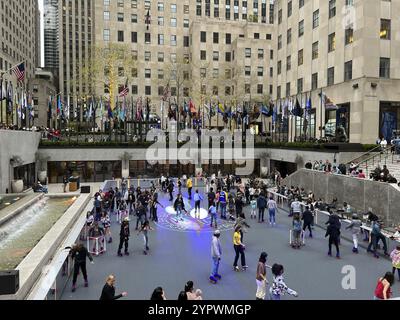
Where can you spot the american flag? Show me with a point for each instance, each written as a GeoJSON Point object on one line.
{"type": "Point", "coordinates": [19, 71]}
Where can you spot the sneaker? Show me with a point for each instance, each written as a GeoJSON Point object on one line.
{"type": "Point", "coordinates": [86, 284]}
{"type": "Point", "coordinates": [218, 276]}
{"type": "Point", "coordinates": [213, 280]}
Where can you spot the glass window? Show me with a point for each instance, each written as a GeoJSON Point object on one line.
{"type": "Point", "coordinates": [331, 76]}
{"type": "Point", "coordinates": [247, 52]}
{"type": "Point", "coordinates": [331, 42]}
{"type": "Point", "coordinates": [348, 70]}
{"type": "Point", "coordinates": [385, 29]}
{"type": "Point", "coordinates": [260, 53]}
{"type": "Point", "coordinates": [215, 55]}
{"type": "Point", "coordinates": [160, 21]}
{"type": "Point", "coordinates": [349, 36]}
{"type": "Point", "coordinates": [384, 68]}
{"type": "Point", "coordinates": [173, 22]}
{"type": "Point", "coordinates": [301, 28]}
{"type": "Point", "coordinates": [300, 57]}
{"type": "Point", "coordinates": [332, 8]}
{"type": "Point", "coordinates": [314, 81]}
{"type": "Point", "coordinates": [315, 19]}
{"type": "Point", "coordinates": [173, 8]}
{"type": "Point", "coordinates": [315, 50]}
{"type": "Point", "coordinates": [299, 86]}
{"type": "Point", "coordinates": [288, 63]}
{"type": "Point", "coordinates": [106, 15]}
{"type": "Point", "coordinates": [160, 57]}
{"type": "Point", "coordinates": [289, 36]}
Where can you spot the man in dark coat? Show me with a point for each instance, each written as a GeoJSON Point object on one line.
{"type": "Point", "coordinates": [308, 219]}
{"type": "Point", "coordinates": [124, 235]}
{"type": "Point", "coordinates": [108, 292]}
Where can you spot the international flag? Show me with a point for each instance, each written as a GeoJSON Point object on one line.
{"type": "Point", "coordinates": [139, 109]}
{"type": "Point", "coordinates": [329, 105]}
{"type": "Point", "coordinates": [297, 111]}
{"type": "Point", "coordinates": [19, 72]}
{"type": "Point", "coordinates": [307, 113]}
{"type": "Point", "coordinates": [192, 107]}
{"type": "Point", "coordinates": [221, 108]}
{"type": "Point", "coordinates": [124, 91]}
{"type": "Point", "coordinates": [109, 110]}
{"type": "Point", "coordinates": [9, 98]}
{"type": "Point", "coordinates": [2, 92]}
{"type": "Point", "coordinates": [265, 111]}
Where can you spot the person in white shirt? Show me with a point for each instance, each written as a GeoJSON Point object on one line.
{"type": "Point", "coordinates": [296, 207]}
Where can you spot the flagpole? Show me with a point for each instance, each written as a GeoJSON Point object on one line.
{"type": "Point", "coordinates": [320, 128]}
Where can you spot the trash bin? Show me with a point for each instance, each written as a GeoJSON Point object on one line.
{"type": "Point", "coordinates": [74, 184]}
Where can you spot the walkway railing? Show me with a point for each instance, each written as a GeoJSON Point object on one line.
{"type": "Point", "coordinates": [321, 217]}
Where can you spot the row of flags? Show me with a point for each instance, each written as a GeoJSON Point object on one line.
{"type": "Point", "coordinates": [94, 108]}
{"type": "Point", "coordinates": [17, 99]}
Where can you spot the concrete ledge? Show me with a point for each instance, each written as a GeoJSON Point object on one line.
{"type": "Point", "coordinates": [31, 267]}
{"type": "Point", "coordinates": [16, 208]}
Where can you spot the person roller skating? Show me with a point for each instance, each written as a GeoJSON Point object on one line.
{"type": "Point", "coordinates": [216, 253]}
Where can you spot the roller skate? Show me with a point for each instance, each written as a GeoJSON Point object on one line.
{"type": "Point", "coordinates": [213, 280]}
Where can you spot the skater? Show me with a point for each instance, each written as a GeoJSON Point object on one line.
{"type": "Point", "coordinates": [79, 254]}
{"type": "Point", "coordinates": [153, 207]}
{"type": "Point", "coordinates": [295, 207]}
{"type": "Point", "coordinates": [140, 214]}
{"type": "Point", "coordinates": [222, 203]}
{"type": "Point", "coordinates": [272, 209]}
{"type": "Point", "coordinates": [241, 222]}
{"type": "Point", "coordinates": [122, 211]}
{"type": "Point", "coordinates": [355, 227]}
{"type": "Point", "coordinates": [211, 197]}
{"type": "Point", "coordinates": [308, 219]}
{"type": "Point", "coordinates": [124, 237]}
{"type": "Point", "coordinates": [179, 206]}
{"type": "Point", "coordinates": [131, 201]}
{"type": "Point", "coordinates": [333, 231]}
{"type": "Point", "coordinates": [279, 287]}
{"type": "Point", "coordinates": [261, 277]}
{"type": "Point", "coordinates": [253, 205]}
{"type": "Point", "coordinates": [179, 183]}
{"type": "Point", "coordinates": [383, 290]}
{"type": "Point", "coordinates": [145, 230]}
{"type": "Point", "coordinates": [231, 207]}
{"type": "Point", "coordinates": [239, 250]}
{"type": "Point", "coordinates": [108, 292]}
{"type": "Point", "coordinates": [96, 232]}
{"type": "Point", "coordinates": [65, 183]}
{"type": "Point", "coordinates": [216, 253]}
{"type": "Point", "coordinates": [377, 235]}
{"type": "Point", "coordinates": [238, 205]}
{"type": "Point", "coordinates": [261, 205]}
{"type": "Point", "coordinates": [171, 190]}
{"type": "Point", "coordinates": [197, 201]}
{"type": "Point", "coordinates": [213, 214]}
{"type": "Point", "coordinates": [189, 185]}
{"type": "Point", "coordinates": [297, 227]}
{"type": "Point", "coordinates": [395, 256]}
{"type": "Point", "coordinates": [106, 221]}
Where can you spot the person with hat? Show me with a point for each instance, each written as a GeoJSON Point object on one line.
{"type": "Point", "coordinates": [355, 227]}
{"type": "Point", "coordinates": [216, 253]}
{"type": "Point", "coordinates": [124, 235]}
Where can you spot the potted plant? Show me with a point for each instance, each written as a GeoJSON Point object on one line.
{"type": "Point", "coordinates": [17, 186]}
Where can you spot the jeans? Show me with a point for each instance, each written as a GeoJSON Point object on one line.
{"type": "Point", "coordinates": [179, 213]}
{"type": "Point", "coordinates": [261, 214]}
{"type": "Point", "coordinates": [190, 193]}
{"type": "Point", "coordinates": [374, 243]}
{"type": "Point", "coordinates": [146, 242]}
{"type": "Point", "coordinates": [223, 210]}
{"type": "Point", "coordinates": [215, 266]}
{"type": "Point", "coordinates": [355, 240]}
{"type": "Point", "coordinates": [239, 251]}
{"type": "Point", "coordinates": [213, 219]}
{"type": "Point", "coordinates": [272, 216]}
{"type": "Point", "coordinates": [197, 206]}
{"type": "Point", "coordinates": [140, 219]}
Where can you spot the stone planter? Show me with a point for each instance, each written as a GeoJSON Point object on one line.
{"type": "Point", "coordinates": [17, 186]}
{"type": "Point", "coordinates": [42, 176]}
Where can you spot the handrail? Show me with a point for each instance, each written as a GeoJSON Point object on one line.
{"type": "Point", "coordinates": [362, 155]}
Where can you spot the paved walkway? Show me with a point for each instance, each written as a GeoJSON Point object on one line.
{"type": "Point", "coordinates": [176, 257]}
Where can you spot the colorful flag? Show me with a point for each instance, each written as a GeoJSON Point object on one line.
{"type": "Point", "coordinates": [124, 91]}
{"type": "Point", "coordinates": [192, 107]}
{"type": "Point", "coordinates": [19, 72]}
{"type": "Point", "coordinates": [221, 108]}
{"type": "Point", "coordinates": [329, 105]}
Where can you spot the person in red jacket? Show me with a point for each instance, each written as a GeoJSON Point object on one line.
{"type": "Point", "coordinates": [383, 289]}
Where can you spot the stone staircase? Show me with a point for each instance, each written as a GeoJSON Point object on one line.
{"type": "Point", "coordinates": [370, 160]}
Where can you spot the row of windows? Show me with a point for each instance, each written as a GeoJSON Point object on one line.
{"type": "Point", "coordinates": [228, 90]}
{"type": "Point", "coordinates": [384, 72]}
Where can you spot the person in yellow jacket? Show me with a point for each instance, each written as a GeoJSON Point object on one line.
{"type": "Point", "coordinates": [189, 185]}
{"type": "Point", "coordinates": [239, 249]}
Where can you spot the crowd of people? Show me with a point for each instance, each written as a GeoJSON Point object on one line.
{"type": "Point", "coordinates": [226, 197]}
